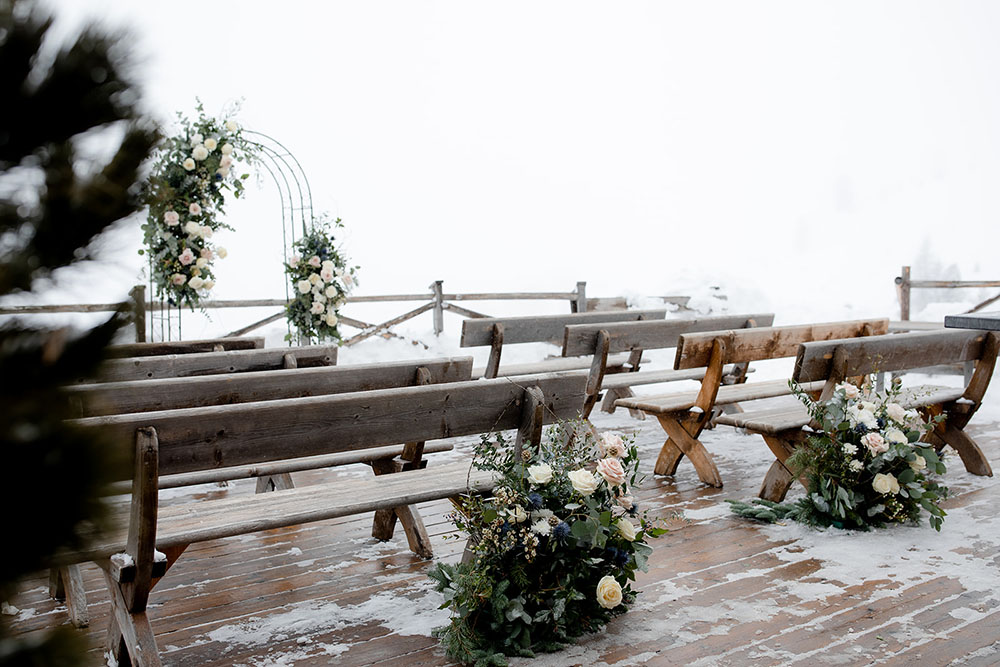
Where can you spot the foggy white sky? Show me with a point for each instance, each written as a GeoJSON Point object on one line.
{"type": "Point", "coordinates": [640, 146]}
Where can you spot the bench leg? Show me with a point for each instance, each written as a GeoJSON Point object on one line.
{"type": "Point", "coordinates": [681, 437]}
{"type": "Point", "coordinates": [66, 584]}
{"type": "Point", "coordinates": [972, 456]}
{"type": "Point", "coordinates": [384, 525]}
{"type": "Point", "coordinates": [779, 478]}
{"type": "Point", "coordinates": [278, 482]}
{"type": "Point", "coordinates": [130, 636]}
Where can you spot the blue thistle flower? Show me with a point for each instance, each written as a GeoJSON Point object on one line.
{"type": "Point", "coordinates": [622, 558]}
{"type": "Point", "coordinates": [535, 501]}
{"type": "Point", "coordinates": [561, 531]}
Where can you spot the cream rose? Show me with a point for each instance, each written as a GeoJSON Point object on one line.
{"type": "Point", "coordinates": [196, 139]}
{"type": "Point", "coordinates": [331, 318]}
{"type": "Point", "coordinates": [896, 412]}
{"type": "Point", "coordinates": [626, 501]}
{"type": "Point", "coordinates": [583, 481]}
{"type": "Point", "coordinates": [611, 470]}
{"type": "Point", "coordinates": [221, 252]}
{"type": "Point", "coordinates": [895, 436]}
{"type": "Point", "coordinates": [226, 149]}
{"type": "Point", "coordinates": [850, 391]}
{"type": "Point", "coordinates": [331, 291]}
{"type": "Point", "coordinates": [205, 232]}
{"type": "Point", "coordinates": [609, 592]}
{"type": "Point", "coordinates": [211, 143]}
{"type": "Point", "coordinates": [885, 483]}
{"type": "Point", "coordinates": [304, 286]}
{"type": "Point", "coordinates": [199, 152]}
{"type": "Point", "coordinates": [625, 528]}
{"type": "Point", "coordinates": [875, 443]}
{"type": "Point", "coordinates": [201, 262]}
{"type": "Point", "coordinates": [196, 282]}
{"type": "Point", "coordinates": [918, 463]}
{"type": "Point", "coordinates": [315, 279]}
{"type": "Point", "coordinates": [192, 228]}
{"type": "Point", "coordinates": [189, 164]}
{"type": "Point", "coordinates": [540, 473]}
{"type": "Point", "coordinates": [232, 126]}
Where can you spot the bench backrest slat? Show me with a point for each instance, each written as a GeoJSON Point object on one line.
{"type": "Point", "coordinates": [108, 398]}
{"type": "Point", "coordinates": [581, 339]}
{"type": "Point", "coordinates": [543, 328]}
{"type": "Point", "coordinates": [183, 347]}
{"type": "Point", "coordinates": [242, 434]}
{"type": "Point", "coordinates": [746, 345]}
{"type": "Point", "coordinates": [210, 363]}
{"type": "Point", "coordinates": [894, 352]}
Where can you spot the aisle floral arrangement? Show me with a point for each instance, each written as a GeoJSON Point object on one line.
{"type": "Point", "coordinates": [186, 195]}
{"type": "Point", "coordinates": [865, 468]}
{"type": "Point", "coordinates": [553, 553]}
{"type": "Point", "coordinates": [321, 280]}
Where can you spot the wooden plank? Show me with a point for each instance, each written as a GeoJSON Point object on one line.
{"type": "Point", "coordinates": [733, 393]}
{"type": "Point", "coordinates": [986, 321]}
{"type": "Point", "coordinates": [580, 339]}
{"type": "Point", "coordinates": [620, 380]}
{"type": "Point", "coordinates": [771, 421]}
{"type": "Point", "coordinates": [182, 347]}
{"type": "Point", "coordinates": [756, 344]}
{"type": "Point", "coordinates": [107, 398]}
{"type": "Point", "coordinates": [230, 435]}
{"type": "Point", "coordinates": [889, 353]}
{"type": "Point", "coordinates": [542, 328]}
{"type": "Point", "coordinates": [551, 365]}
{"type": "Point", "coordinates": [210, 363]}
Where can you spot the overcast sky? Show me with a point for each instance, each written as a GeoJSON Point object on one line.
{"type": "Point", "coordinates": [635, 145]}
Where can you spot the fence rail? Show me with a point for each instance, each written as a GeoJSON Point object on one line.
{"type": "Point", "coordinates": [437, 300]}
{"type": "Point", "coordinates": [904, 285]}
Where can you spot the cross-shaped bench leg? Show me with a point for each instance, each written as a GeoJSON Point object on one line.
{"type": "Point", "coordinates": [66, 583]}
{"type": "Point", "coordinates": [779, 478]}
{"type": "Point", "coordinates": [682, 440]}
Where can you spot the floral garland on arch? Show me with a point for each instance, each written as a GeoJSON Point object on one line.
{"type": "Point", "coordinates": [186, 196]}
{"type": "Point", "coordinates": [321, 279]}
{"type": "Point", "coordinates": [866, 467]}
{"type": "Point", "coordinates": [554, 550]}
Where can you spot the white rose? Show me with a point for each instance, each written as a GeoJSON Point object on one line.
{"type": "Point", "coordinates": [918, 463]}
{"type": "Point", "coordinates": [199, 153]}
{"type": "Point", "coordinates": [868, 406]}
{"type": "Point", "coordinates": [896, 412]}
{"type": "Point", "coordinates": [304, 286]}
{"type": "Point", "coordinates": [583, 481]}
{"type": "Point", "coordinates": [196, 139]}
{"type": "Point", "coordinates": [226, 149]}
{"type": "Point", "coordinates": [201, 263]}
{"type": "Point", "coordinates": [315, 279]}
{"type": "Point", "coordinates": [895, 436]}
{"type": "Point", "coordinates": [331, 291]}
{"type": "Point", "coordinates": [196, 282]}
{"type": "Point", "coordinates": [609, 592]}
{"type": "Point", "coordinates": [211, 143]}
{"type": "Point", "coordinates": [885, 483]}
{"type": "Point", "coordinates": [540, 473]}
{"type": "Point", "coordinates": [224, 171]}
{"type": "Point", "coordinates": [232, 126]}
{"type": "Point", "coordinates": [192, 228]}
{"type": "Point", "coordinates": [625, 529]}
{"type": "Point", "coordinates": [850, 391]}
{"type": "Point", "coordinates": [331, 318]}
{"type": "Point", "coordinates": [189, 164]}
{"type": "Point", "coordinates": [221, 252]}
{"type": "Point", "coordinates": [855, 465]}
{"type": "Point", "coordinates": [317, 308]}
{"type": "Point", "coordinates": [205, 232]}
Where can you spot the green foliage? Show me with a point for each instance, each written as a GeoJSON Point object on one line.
{"type": "Point", "coordinates": [866, 466]}
{"type": "Point", "coordinates": [186, 197]}
{"type": "Point", "coordinates": [554, 550]}
{"type": "Point", "coordinates": [56, 200]}
{"type": "Point", "coordinates": [321, 281]}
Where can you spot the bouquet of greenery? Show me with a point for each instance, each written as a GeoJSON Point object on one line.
{"type": "Point", "coordinates": [866, 467]}
{"type": "Point", "coordinates": [552, 554]}
{"type": "Point", "coordinates": [321, 280]}
{"type": "Point", "coordinates": [185, 194]}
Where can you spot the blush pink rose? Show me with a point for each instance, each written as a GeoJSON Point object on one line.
{"type": "Point", "coordinates": [314, 261]}
{"type": "Point", "coordinates": [171, 218]}
{"type": "Point", "coordinates": [194, 208]}
{"type": "Point", "coordinates": [611, 470]}
{"type": "Point", "coordinates": [186, 257]}
{"type": "Point", "coordinates": [875, 443]}
{"type": "Point", "coordinates": [612, 445]}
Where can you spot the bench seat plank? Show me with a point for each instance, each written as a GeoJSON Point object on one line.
{"type": "Point", "coordinates": [552, 365]}
{"type": "Point", "coordinates": [188, 523]}
{"type": "Point", "coordinates": [728, 394]}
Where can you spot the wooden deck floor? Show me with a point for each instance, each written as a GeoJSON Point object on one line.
{"type": "Point", "coordinates": [719, 591]}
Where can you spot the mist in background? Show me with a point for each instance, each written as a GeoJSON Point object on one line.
{"type": "Point", "coordinates": [794, 154]}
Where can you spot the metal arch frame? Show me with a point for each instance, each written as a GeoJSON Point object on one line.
{"type": "Point", "coordinates": [295, 193]}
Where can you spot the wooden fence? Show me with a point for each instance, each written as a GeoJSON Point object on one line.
{"type": "Point", "coordinates": [904, 285]}
{"type": "Point", "coordinates": [437, 300]}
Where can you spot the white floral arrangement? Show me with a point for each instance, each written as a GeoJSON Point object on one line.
{"type": "Point", "coordinates": [554, 550]}
{"type": "Point", "coordinates": [321, 280]}
{"type": "Point", "coordinates": [185, 194]}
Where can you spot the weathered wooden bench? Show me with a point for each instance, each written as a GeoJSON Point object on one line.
{"type": "Point", "coordinates": [499, 331]}
{"type": "Point", "coordinates": [146, 540]}
{"type": "Point", "coordinates": [602, 340]}
{"type": "Point", "coordinates": [111, 398]}
{"type": "Point", "coordinates": [684, 415]}
{"type": "Point", "coordinates": [183, 347]}
{"type": "Point", "coordinates": [210, 363]}
{"type": "Point", "coordinates": [825, 364]}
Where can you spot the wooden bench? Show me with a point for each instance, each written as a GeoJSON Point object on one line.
{"type": "Point", "coordinates": [108, 398]}
{"type": "Point", "coordinates": [684, 415]}
{"type": "Point", "coordinates": [145, 541]}
{"type": "Point", "coordinates": [210, 363]}
{"type": "Point", "coordinates": [499, 331]}
{"type": "Point", "coordinates": [183, 347]}
{"type": "Point", "coordinates": [825, 364]}
{"type": "Point", "coordinates": [602, 340]}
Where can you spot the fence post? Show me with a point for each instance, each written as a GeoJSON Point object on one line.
{"type": "Point", "coordinates": [138, 296]}
{"type": "Point", "coordinates": [580, 304]}
{"type": "Point", "coordinates": [436, 286]}
{"type": "Point", "coordinates": [903, 294]}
